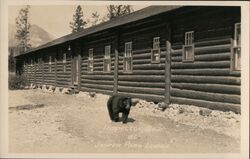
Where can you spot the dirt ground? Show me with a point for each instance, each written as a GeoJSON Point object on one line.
{"type": "Point", "coordinates": [80, 124]}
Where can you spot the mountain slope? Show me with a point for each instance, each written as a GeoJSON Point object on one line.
{"type": "Point", "coordinates": [38, 36]}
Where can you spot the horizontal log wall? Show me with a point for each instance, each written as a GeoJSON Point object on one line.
{"type": "Point", "coordinates": [147, 80]}
{"type": "Point", "coordinates": [64, 78]}
{"type": "Point", "coordinates": [29, 73]}
{"type": "Point", "coordinates": [38, 74]}
{"type": "Point", "coordinates": [207, 81]}
{"type": "Point", "coordinates": [208, 78]}
{"type": "Point", "coordinates": [98, 80]}
{"type": "Point", "coordinates": [49, 76]}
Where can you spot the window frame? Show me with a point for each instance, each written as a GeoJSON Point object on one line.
{"type": "Point", "coordinates": [156, 50]}
{"type": "Point", "coordinates": [128, 56]}
{"type": "Point", "coordinates": [50, 63]}
{"type": "Point", "coordinates": [107, 59]}
{"type": "Point", "coordinates": [64, 62]}
{"type": "Point", "coordinates": [188, 44]}
{"type": "Point", "coordinates": [236, 50]}
{"type": "Point", "coordinates": [31, 62]}
{"type": "Point", "coordinates": [90, 63]}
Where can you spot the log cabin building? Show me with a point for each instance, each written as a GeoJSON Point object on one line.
{"type": "Point", "coordinates": [172, 54]}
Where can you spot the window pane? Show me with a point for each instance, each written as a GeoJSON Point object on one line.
{"type": "Point", "coordinates": [189, 38]}
{"type": "Point", "coordinates": [188, 53]}
{"type": "Point", "coordinates": [128, 49]}
{"type": "Point", "coordinates": [107, 51]}
{"type": "Point", "coordinates": [64, 58]}
{"type": "Point", "coordinates": [107, 65]}
{"type": "Point", "coordinates": [237, 34]}
{"type": "Point", "coordinates": [90, 66]}
{"type": "Point", "coordinates": [156, 43]}
{"type": "Point", "coordinates": [237, 59]}
{"type": "Point", "coordinates": [64, 68]}
{"type": "Point", "coordinates": [156, 55]}
{"type": "Point", "coordinates": [91, 52]}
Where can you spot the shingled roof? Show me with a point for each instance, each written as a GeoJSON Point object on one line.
{"type": "Point", "coordinates": [135, 16]}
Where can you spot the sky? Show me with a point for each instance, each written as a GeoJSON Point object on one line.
{"type": "Point", "coordinates": [55, 18]}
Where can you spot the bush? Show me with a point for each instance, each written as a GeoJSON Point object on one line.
{"type": "Point", "coordinates": [17, 82]}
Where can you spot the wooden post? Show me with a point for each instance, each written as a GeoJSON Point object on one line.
{"type": "Point", "coordinates": [35, 70]}
{"type": "Point", "coordinates": [167, 72]}
{"type": "Point", "coordinates": [56, 68]}
{"type": "Point", "coordinates": [116, 62]}
{"type": "Point", "coordinates": [116, 72]}
{"type": "Point", "coordinates": [79, 69]}
{"type": "Point", "coordinates": [72, 60]}
{"type": "Point", "coordinates": [231, 56]}
{"type": "Point", "coordinates": [43, 69]}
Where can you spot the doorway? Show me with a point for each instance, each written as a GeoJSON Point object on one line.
{"type": "Point", "coordinates": [76, 69]}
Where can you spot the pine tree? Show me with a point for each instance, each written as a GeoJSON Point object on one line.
{"type": "Point", "coordinates": [78, 23]}
{"type": "Point", "coordinates": [11, 60]}
{"type": "Point", "coordinates": [22, 29]}
{"type": "Point", "coordinates": [95, 18]}
{"type": "Point", "coordinates": [118, 10]}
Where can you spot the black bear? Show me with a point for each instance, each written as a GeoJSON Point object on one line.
{"type": "Point", "coordinates": [119, 104]}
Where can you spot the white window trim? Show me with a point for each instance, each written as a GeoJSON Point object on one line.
{"type": "Point", "coordinates": [64, 58]}
{"type": "Point", "coordinates": [64, 62]}
{"type": "Point", "coordinates": [236, 33]}
{"type": "Point", "coordinates": [158, 49]}
{"type": "Point", "coordinates": [188, 44]}
{"type": "Point", "coordinates": [126, 52]}
{"type": "Point", "coordinates": [107, 54]}
{"type": "Point", "coordinates": [31, 62]}
{"type": "Point", "coordinates": [50, 63]}
{"type": "Point", "coordinates": [128, 55]}
{"type": "Point", "coordinates": [156, 43]}
{"type": "Point", "coordinates": [91, 52]}
{"type": "Point", "coordinates": [187, 37]}
{"type": "Point", "coordinates": [235, 47]}
{"type": "Point", "coordinates": [91, 60]}
{"type": "Point", "coordinates": [107, 59]}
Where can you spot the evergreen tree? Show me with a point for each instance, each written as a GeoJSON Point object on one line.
{"type": "Point", "coordinates": [118, 10]}
{"type": "Point", "coordinates": [78, 23]}
{"type": "Point", "coordinates": [22, 29]}
{"type": "Point", "coordinates": [95, 18]}
{"type": "Point", "coordinates": [11, 60]}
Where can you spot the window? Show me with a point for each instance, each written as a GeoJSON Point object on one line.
{"type": "Point", "coordinates": [39, 62]}
{"type": "Point", "coordinates": [188, 48]}
{"type": "Point", "coordinates": [237, 34]}
{"type": "Point", "coordinates": [236, 49]}
{"type": "Point", "coordinates": [127, 62]}
{"type": "Point", "coordinates": [64, 62]}
{"type": "Point", "coordinates": [156, 52]}
{"type": "Point", "coordinates": [107, 59]}
{"type": "Point", "coordinates": [91, 60]}
{"type": "Point", "coordinates": [50, 63]}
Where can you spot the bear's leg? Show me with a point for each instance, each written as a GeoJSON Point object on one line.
{"type": "Point", "coordinates": [125, 117]}
{"type": "Point", "coordinates": [116, 116]}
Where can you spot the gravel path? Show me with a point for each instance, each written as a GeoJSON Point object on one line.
{"type": "Point", "coordinates": [80, 124]}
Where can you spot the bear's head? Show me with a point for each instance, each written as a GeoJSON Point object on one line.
{"type": "Point", "coordinates": [127, 102]}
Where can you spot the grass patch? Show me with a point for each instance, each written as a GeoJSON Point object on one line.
{"type": "Point", "coordinates": [17, 82]}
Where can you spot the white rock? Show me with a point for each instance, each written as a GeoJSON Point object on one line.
{"type": "Point", "coordinates": [65, 91]}
{"type": "Point", "coordinates": [57, 90]}
{"type": "Point", "coordinates": [82, 94]}
{"type": "Point", "coordinates": [50, 89]}
{"type": "Point", "coordinates": [44, 88]}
